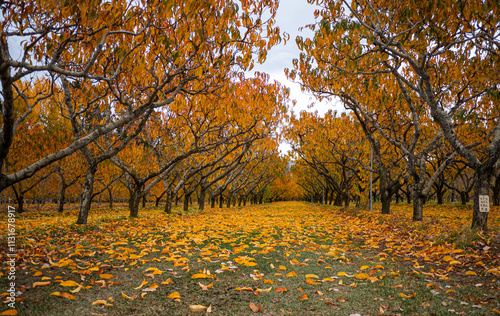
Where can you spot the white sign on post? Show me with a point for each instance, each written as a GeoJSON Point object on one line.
{"type": "Point", "coordinates": [484, 203]}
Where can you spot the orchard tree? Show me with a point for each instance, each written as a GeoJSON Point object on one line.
{"type": "Point", "coordinates": [140, 55]}
{"type": "Point", "coordinates": [445, 53]}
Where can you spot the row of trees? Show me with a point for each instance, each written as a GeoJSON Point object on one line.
{"type": "Point", "coordinates": [333, 166]}
{"type": "Point", "coordinates": [421, 83]}
{"type": "Point", "coordinates": [143, 98]}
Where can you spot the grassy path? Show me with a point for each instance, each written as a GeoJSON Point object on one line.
{"type": "Point", "coordinates": [287, 258]}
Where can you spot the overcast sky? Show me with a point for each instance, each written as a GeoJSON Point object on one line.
{"type": "Point", "coordinates": [291, 15]}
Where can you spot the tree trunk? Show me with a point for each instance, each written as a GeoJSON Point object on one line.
{"type": "Point", "coordinates": [168, 202]}
{"type": "Point", "coordinates": [338, 200]}
{"type": "Point", "coordinates": [496, 192]}
{"type": "Point", "coordinates": [464, 196]}
{"type": "Point", "coordinates": [186, 202]}
{"type": "Point", "coordinates": [440, 195]}
{"type": "Point", "coordinates": [221, 201]}
{"type": "Point", "coordinates": [144, 202]}
{"type": "Point", "coordinates": [201, 200]}
{"type": "Point", "coordinates": [88, 189]}
{"type": "Point", "coordinates": [110, 198]}
{"type": "Point", "coordinates": [133, 203]}
{"type": "Point", "coordinates": [212, 201]}
{"type": "Point", "coordinates": [228, 201]}
{"type": "Point", "coordinates": [20, 203]}
{"type": "Point", "coordinates": [386, 202]}
{"type": "Point", "coordinates": [346, 199]}
{"type": "Point", "coordinates": [482, 178]}
{"type": "Point", "coordinates": [418, 206]}
{"type": "Point", "coordinates": [62, 194]}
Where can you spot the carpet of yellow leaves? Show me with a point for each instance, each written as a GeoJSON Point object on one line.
{"type": "Point", "coordinates": [232, 239]}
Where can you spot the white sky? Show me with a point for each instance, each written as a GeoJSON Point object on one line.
{"type": "Point", "coordinates": [291, 15]}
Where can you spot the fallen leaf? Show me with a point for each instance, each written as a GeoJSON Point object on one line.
{"type": "Point", "coordinates": [125, 296]}
{"type": "Point", "coordinates": [10, 312]}
{"type": "Point", "coordinates": [254, 308]}
{"type": "Point", "coordinates": [291, 274]}
{"type": "Point", "coordinates": [41, 284]}
{"type": "Point", "coordinates": [304, 297]}
{"type": "Point", "coordinates": [407, 296]}
{"type": "Point", "coordinates": [106, 276]}
{"type": "Point", "coordinates": [361, 276]}
{"type": "Point", "coordinates": [174, 295]}
{"type": "Point", "coordinates": [69, 283]}
{"type": "Point", "coordinates": [144, 282]}
{"type": "Point", "coordinates": [201, 276]}
{"type": "Point", "coordinates": [197, 308]}
{"type": "Point", "coordinates": [280, 290]}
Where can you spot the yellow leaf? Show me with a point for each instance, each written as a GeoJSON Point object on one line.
{"type": "Point", "coordinates": [364, 267]}
{"type": "Point", "coordinates": [267, 281]}
{"type": "Point", "coordinates": [106, 276]}
{"type": "Point", "coordinates": [144, 282]}
{"type": "Point", "coordinates": [250, 264]}
{"type": "Point", "coordinates": [470, 273]}
{"type": "Point", "coordinates": [153, 286]}
{"type": "Point", "coordinates": [41, 284]}
{"type": "Point", "coordinates": [258, 291]}
{"type": "Point", "coordinates": [125, 296]}
{"type": "Point", "coordinates": [281, 267]}
{"type": "Point", "coordinates": [197, 308]}
{"type": "Point", "coordinates": [312, 276]}
{"type": "Point", "coordinates": [167, 282]}
{"type": "Point", "coordinates": [361, 276]}
{"type": "Point", "coordinates": [69, 283]}
{"type": "Point", "coordinates": [174, 295]}
{"type": "Point", "coordinates": [76, 290]}
{"type": "Point", "coordinates": [209, 309]}
{"type": "Point", "coordinates": [291, 274]}
{"type": "Point", "coordinates": [304, 297]}
{"type": "Point", "coordinates": [201, 276]}
{"type": "Point", "coordinates": [38, 273]}
{"type": "Point", "coordinates": [55, 294]}
{"type": "Point", "coordinates": [143, 294]}
{"type": "Point", "coordinates": [407, 296]}
{"type": "Point", "coordinates": [101, 302]}
{"type": "Point", "coordinates": [447, 258]}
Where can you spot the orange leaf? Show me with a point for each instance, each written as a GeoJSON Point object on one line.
{"type": "Point", "coordinates": [174, 295]}
{"type": "Point", "coordinates": [11, 312]}
{"type": "Point", "coordinates": [41, 284]}
{"type": "Point", "coordinates": [280, 289]}
{"type": "Point", "coordinates": [254, 308]}
{"type": "Point", "coordinates": [304, 297]}
{"type": "Point", "coordinates": [106, 276]}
